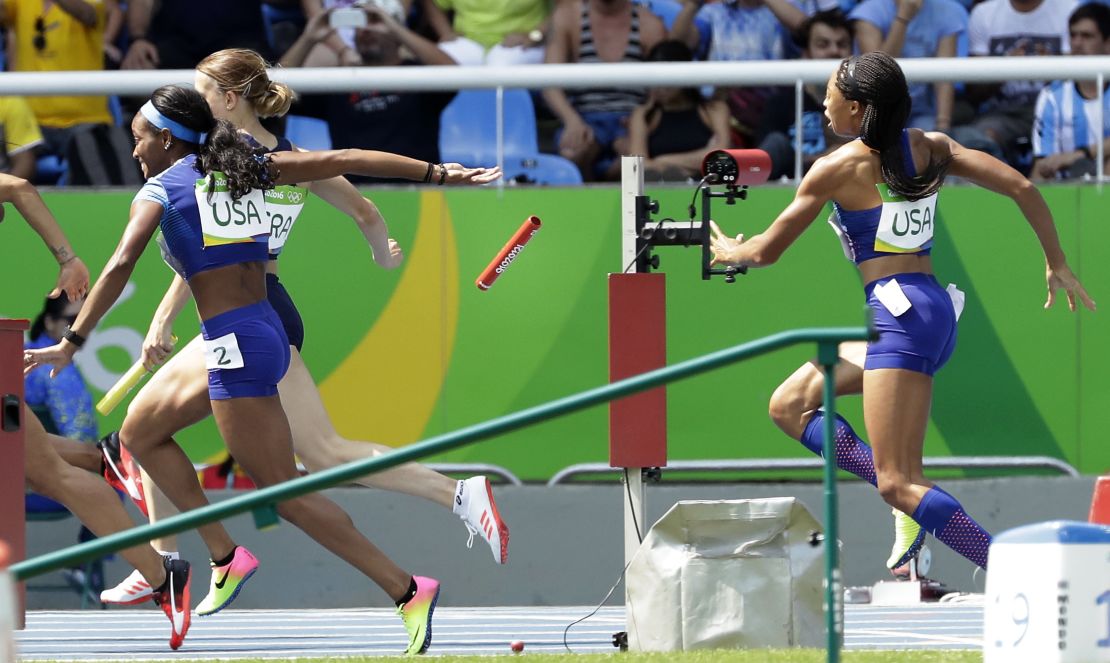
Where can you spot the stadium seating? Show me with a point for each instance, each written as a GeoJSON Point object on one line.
{"type": "Point", "coordinates": [468, 127]}
{"type": "Point", "coordinates": [308, 132]}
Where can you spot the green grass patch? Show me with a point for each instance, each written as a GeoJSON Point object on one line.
{"type": "Point", "coordinates": [711, 656]}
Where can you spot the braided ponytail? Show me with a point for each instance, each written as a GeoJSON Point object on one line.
{"type": "Point", "coordinates": [876, 81]}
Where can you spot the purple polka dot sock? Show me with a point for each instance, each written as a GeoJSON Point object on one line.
{"type": "Point", "coordinates": [852, 454]}
{"type": "Point", "coordinates": [943, 517]}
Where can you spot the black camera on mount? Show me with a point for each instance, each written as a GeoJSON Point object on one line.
{"type": "Point", "coordinates": [736, 170]}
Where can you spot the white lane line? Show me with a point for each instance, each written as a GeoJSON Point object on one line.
{"type": "Point", "coordinates": [939, 639]}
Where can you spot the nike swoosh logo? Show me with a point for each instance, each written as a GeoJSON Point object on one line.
{"type": "Point", "coordinates": [129, 482]}
{"type": "Point", "coordinates": [133, 489]}
{"type": "Point", "coordinates": [221, 581]}
{"type": "Point", "coordinates": [177, 619]}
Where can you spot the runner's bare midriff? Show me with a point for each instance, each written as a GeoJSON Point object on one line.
{"type": "Point", "coordinates": [229, 287]}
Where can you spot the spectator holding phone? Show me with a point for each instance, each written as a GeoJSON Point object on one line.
{"type": "Point", "coordinates": [400, 122]}
{"type": "Point", "coordinates": [344, 17]}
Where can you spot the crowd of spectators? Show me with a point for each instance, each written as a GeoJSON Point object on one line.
{"type": "Point", "coordinates": [1049, 130]}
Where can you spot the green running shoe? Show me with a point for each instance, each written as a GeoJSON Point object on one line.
{"type": "Point", "coordinates": [908, 539]}
{"type": "Point", "coordinates": [417, 615]}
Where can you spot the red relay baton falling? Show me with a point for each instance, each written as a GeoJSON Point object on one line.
{"type": "Point", "coordinates": [508, 253]}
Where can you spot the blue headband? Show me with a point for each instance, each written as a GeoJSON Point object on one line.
{"type": "Point", "coordinates": [176, 128]}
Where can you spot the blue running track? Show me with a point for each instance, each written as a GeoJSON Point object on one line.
{"type": "Point", "coordinates": [142, 634]}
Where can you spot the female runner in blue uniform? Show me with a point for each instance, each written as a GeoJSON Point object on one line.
{"type": "Point", "coordinates": [237, 87]}
{"type": "Point", "coordinates": [894, 171]}
{"type": "Point", "coordinates": [205, 190]}
{"type": "Point", "coordinates": [46, 473]}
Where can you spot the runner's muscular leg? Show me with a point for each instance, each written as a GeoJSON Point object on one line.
{"type": "Point", "coordinates": [75, 452]}
{"type": "Point", "coordinates": [320, 446]}
{"type": "Point", "coordinates": [896, 405]}
{"type": "Point", "coordinates": [175, 398]}
{"type": "Point", "coordinates": [800, 395]}
{"type": "Point", "coordinates": [86, 495]}
{"type": "Point", "coordinates": [257, 434]}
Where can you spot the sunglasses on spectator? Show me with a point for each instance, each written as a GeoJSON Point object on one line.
{"type": "Point", "coordinates": [39, 40]}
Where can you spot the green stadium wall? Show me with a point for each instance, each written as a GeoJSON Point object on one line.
{"type": "Point", "coordinates": [400, 355]}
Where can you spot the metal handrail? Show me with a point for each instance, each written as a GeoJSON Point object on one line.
{"type": "Point", "coordinates": [624, 75]}
{"type": "Point", "coordinates": [774, 464]}
{"type": "Point", "coordinates": [261, 502]}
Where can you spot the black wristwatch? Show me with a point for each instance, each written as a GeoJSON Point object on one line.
{"type": "Point", "coordinates": [73, 337]}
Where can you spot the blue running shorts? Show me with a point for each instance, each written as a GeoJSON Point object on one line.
{"type": "Point", "coordinates": [923, 337]}
{"type": "Point", "coordinates": [286, 310]}
{"type": "Point", "coordinates": [246, 352]}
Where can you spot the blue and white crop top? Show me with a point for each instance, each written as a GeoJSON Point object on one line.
{"type": "Point", "coordinates": [283, 203]}
{"type": "Point", "coordinates": [203, 231]}
{"type": "Point", "coordinates": [896, 227]}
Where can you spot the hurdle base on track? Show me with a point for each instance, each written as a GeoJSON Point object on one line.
{"type": "Point", "coordinates": [907, 592]}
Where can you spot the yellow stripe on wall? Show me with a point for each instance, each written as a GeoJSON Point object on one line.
{"type": "Point", "coordinates": [387, 387]}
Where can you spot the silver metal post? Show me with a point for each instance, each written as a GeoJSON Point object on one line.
{"type": "Point", "coordinates": [799, 91]}
{"type": "Point", "coordinates": [1100, 152]}
{"type": "Point", "coordinates": [500, 133]}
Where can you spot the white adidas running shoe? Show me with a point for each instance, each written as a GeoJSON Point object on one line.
{"type": "Point", "coordinates": [474, 504]}
{"type": "Point", "coordinates": [134, 589]}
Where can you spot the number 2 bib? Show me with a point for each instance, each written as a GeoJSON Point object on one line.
{"type": "Point", "coordinates": [224, 220]}
{"type": "Point", "coordinates": [223, 353]}
{"type": "Point", "coordinates": [905, 226]}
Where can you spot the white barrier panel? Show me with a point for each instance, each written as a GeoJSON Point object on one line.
{"type": "Point", "coordinates": [728, 574]}
{"type": "Point", "coordinates": [1048, 595]}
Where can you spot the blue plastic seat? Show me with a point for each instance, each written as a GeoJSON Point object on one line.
{"type": "Point", "coordinates": [308, 132]}
{"type": "Point", "coordinates": [547, 169]}
{"type": "Point", "coordinates": [50, 169]}
{"type": "Point", "coordinates": [468, 127]}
